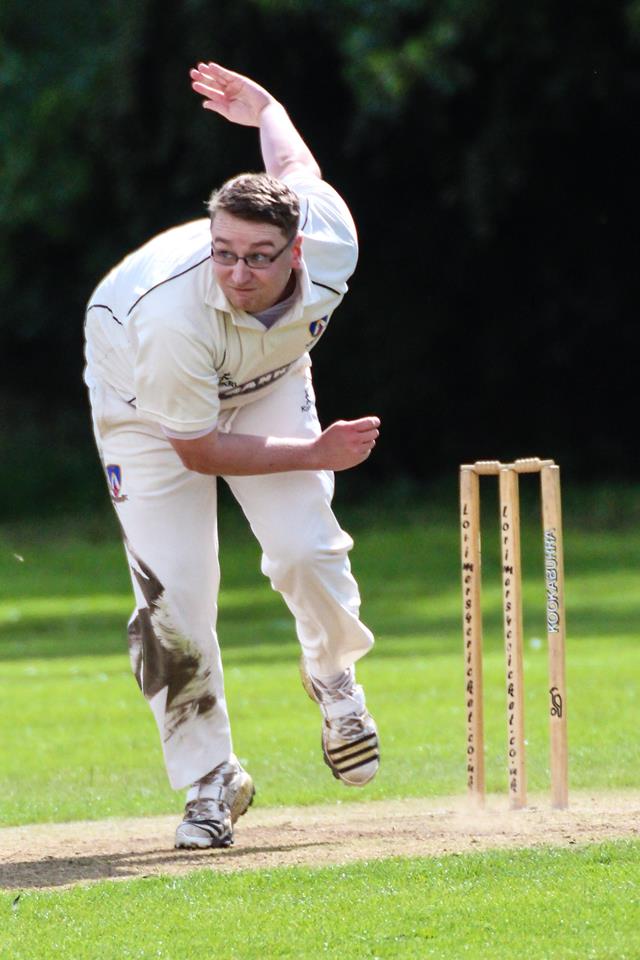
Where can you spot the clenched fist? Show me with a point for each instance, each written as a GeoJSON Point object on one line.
{"type": "Point", "coordinates": [346, 443]}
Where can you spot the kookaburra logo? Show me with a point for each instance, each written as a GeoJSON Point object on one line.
{"type": "Point", "coordinates": [556, 702]}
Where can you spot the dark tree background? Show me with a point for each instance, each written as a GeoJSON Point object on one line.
{"type": "Point", "coordinates": [486, 149]}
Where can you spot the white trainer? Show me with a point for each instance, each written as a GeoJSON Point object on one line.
{"type": "Point", "coordinates": [222, 796]}
{"type": "Point", "coordinates": [349, 734]}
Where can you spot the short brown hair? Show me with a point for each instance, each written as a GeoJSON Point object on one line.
{"type": "Point", "coordinates": [258, 197]}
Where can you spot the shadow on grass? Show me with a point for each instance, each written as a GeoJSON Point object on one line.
{"type": "Point", "coordinates": [50, 872]}
{"type": "Point", "coordinates": [265, 632]}
{"type": "Point", "coordinates": [407, 567]}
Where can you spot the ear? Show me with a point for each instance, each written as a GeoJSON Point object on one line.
{"type": "Point", "coordinates": [296, 252]}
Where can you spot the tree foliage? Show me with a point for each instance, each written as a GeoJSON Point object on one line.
{"type": "Point", "coordinates": [484, 146]}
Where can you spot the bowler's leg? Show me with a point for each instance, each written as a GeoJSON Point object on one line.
{"type": "Point", "coordinates": [168, 517]}
{"type": "Point", "coordinates": [305, 552]}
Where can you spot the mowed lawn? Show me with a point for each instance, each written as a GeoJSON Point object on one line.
{"type": "Point", "coordinates": [570, 904]}
{"type": "Point", "coordinates": [77, 740]}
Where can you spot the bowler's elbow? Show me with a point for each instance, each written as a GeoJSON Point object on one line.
{"type": "Point", "coordinates": [304, 165]}
{"type": "Point", "coordinates": [199, 454]}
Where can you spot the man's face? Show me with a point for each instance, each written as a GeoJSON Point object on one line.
{"type": "Point", "coordinates": [245, 288]}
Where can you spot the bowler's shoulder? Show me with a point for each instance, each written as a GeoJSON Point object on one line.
{"type": "Point", "coordinates": [171, 253]}
{"type": "Point", "coordinates": [170, 267]}
{"type": "Point", "coordinates": [330, 239]}
{"type": "Point", "coordinates": [320, 201]}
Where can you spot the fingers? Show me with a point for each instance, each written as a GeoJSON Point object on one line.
{"type": "Point", "coordinates": [346, 443]}
{"type": "Point", "coordinates": [215, 72]}
{"type": "Point", "coordinates": [364, 433]}
{"type": "Point", "coordinates": [205, 90]}
{"type": "Point", "coordinates": [366, 423]}
{"type": "Point", "coordinates": [235, 97]}
{"type": "Point", "coordinates": [208, 92]}
{"type": "Point", "coordinates": [208, 80]}
{"type": "Point", "coordinates": [214, 78]}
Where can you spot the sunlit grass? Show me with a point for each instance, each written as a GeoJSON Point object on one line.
{"type": "Point", "coordinates": [78, 741]}
{"type": "Point", "coordinates": [541, 904]}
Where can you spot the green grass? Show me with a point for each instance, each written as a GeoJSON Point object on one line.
{"type": "Point", "coordinates": [540, 904]}
{"type": "Point", "coordinates": [78, 741]}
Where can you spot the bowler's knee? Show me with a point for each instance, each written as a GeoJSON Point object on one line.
{"type": "Point", "coordinates": [305, 557]}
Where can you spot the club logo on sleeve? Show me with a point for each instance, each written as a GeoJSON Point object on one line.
{"type": "Point", "coordinates": [114, 479]}
{"type": "Point", "coordinates": [316, 327]}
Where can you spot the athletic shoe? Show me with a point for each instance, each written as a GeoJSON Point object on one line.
{"type": "Point", "coordinates": [223, 796]}
{"type": "Point", "coordinates": [349, 733]}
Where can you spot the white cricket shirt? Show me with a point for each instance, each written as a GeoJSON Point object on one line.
{"type": "Point", "coordinates": [160, 331]}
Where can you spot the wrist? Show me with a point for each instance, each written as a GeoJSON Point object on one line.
{"type": "Point", "coordinates": [312, 455]}
{"type": "Point", "coordinates": [270, 107]}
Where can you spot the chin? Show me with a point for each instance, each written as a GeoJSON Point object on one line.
{"type": "Point", "coordinates": [247, 303]}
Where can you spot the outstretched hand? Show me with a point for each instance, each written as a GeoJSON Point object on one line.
{"type": "Point", "coordinates": [233, 96]}
{"type": "Point", "coordinates": [346, 443]}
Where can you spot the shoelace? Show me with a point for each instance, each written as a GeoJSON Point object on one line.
{"type": "Point", "coordinates": [352, 725]}
{"type": "Point", "coordinates": [203, 808]}
{"type": "Point", "coordinates": [213, 806]}
{"type": "Point", "coordinates": [343, 690]}
{"type": "Point", "coordinates": [349, 727]}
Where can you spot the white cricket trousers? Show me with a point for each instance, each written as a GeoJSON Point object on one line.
{"type": "Point", "coordinates": [168, 518]}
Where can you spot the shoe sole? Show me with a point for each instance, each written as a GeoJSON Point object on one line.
{"type": "Point", "coordinates": [204, 843]}
{"type": "Point", "coordinates": [243, 800]}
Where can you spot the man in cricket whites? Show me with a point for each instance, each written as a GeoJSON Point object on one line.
{"type": "Point", "coordinates": [198, 367]}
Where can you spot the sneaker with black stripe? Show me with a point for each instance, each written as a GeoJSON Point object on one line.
{"type": "Point", "coordinates": [214, 803]}
{"type": "Point", "coordinates": [349, 733]}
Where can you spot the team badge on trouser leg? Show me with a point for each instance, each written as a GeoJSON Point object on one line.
{"type": "Point", "coordinates": [349, 733]}
{"type": "Point", "coordinates": [217, 802]}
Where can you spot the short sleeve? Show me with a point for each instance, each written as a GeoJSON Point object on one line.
{"type": "Point", "coordinates": [330, 240]}
{"type": "Point", "coordinates": [175, 380]}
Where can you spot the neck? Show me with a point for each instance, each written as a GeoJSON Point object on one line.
{"type": "Point", "coordinates": [288, 289]}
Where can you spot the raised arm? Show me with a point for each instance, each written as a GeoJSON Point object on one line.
{"type": "Point", "coordinates": [241, 100]}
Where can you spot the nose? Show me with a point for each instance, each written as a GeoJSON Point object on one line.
{"type": "Point", "coordinates": [240, 272]}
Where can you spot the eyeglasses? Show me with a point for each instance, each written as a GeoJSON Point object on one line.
{"type": "Point", "coordinates": [255, 261]}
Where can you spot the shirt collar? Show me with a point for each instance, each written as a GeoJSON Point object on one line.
{"type": "Point", "coordinates": [216, 298]}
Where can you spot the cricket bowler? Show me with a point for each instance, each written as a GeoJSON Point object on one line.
{"type": "Point", "coordinates": [197, 364]}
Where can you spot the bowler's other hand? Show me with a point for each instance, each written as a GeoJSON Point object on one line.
{"type": "Point", "coordinates": [233, 96]}
{"type": "Point", "coordinates": [346, 443]}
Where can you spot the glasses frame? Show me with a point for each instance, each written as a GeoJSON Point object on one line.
{"type": "Point", "coordinates": [245, 259]}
